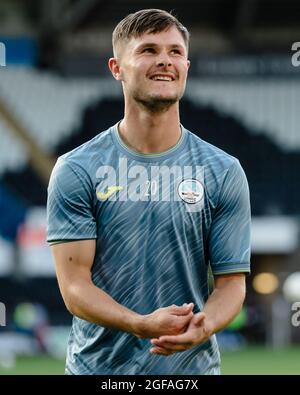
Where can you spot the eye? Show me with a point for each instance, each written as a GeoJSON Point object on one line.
{"type": "Point", "coordinates": [176, 51]}
{"type": "Point", "coordinates": [149, 50]}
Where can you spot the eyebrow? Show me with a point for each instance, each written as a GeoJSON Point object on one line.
{"type": "Point", "coordinates": [150, 44]}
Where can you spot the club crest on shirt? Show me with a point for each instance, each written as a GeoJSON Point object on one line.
{"type": "Point", "coordinates": [191, 191]}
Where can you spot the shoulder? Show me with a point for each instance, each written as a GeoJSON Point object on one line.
{"type": "Point", "coordinates": [220, 168]}
{"type": "Point", "coordinates": [85, 158]}
{"type": "Point", "coordinates": [209, 154]}
{"type": "Point", "coordinates": [85, 151]}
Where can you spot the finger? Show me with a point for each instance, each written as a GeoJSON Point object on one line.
{"type": "Point", "coordinates": [183, 338]}
{"type": "Point", "coordinates": [182, 310]}
{"type": "Point", "coordinates": [198, 318]}
{"type": "Point", "coordinates": [170, 347]}
{"type": "Point", "coordinates": [185, 319]}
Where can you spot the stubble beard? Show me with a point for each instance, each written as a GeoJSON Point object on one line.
{"type": "Point", "coordinates": [156, 104]}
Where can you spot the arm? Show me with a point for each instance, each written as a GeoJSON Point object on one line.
{"type": "Point", "coordinates": [229, 252]}
{"type": "Point", "coordinates": [73, 261]}
{"type": "Point", "coordinates": [226, 300]}
{"type": "Point", "coordinates": [70, 216]}
{"type": "Point", "coordinates": [222, 306]}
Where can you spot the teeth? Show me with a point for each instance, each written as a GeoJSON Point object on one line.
{"type": "Point", "coordinates": [161, 78]}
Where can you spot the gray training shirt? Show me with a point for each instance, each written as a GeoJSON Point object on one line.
{"type": "Point", "coordinates": [159, 221]}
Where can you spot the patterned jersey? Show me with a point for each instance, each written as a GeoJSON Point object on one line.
{"type": "Point", "coordinates": [159, 221]}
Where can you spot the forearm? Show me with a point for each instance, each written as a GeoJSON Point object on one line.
{"type": "Point", "coordinates": [90, 303]}
{"type": "Point", "coordinates": [224, 304]}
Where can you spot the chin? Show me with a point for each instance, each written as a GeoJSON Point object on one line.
{"type": "Point", "coordinates": [164, 98]}
{"type": "Point", "coordinates": [159, 104]}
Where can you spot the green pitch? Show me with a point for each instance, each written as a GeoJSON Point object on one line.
{"type": "Point", "coordinates": [262, 360]}
{"type": "Point", "coordinates": [253, 360]}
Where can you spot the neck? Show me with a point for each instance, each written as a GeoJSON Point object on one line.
{"type": "Point", "coordinates": [147, 132]}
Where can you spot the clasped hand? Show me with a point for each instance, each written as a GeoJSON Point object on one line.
{"type": "Point", "coordinates": [197, 331]}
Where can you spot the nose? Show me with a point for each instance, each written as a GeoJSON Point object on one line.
{"type": "Point", "coordinates": [163, 60]}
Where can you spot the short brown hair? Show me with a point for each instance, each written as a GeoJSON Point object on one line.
{"type": "Point", "coordinates": [147, 21]}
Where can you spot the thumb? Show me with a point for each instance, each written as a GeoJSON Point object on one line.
{"type": "Point", "coordinates": [186, 318]}
{"type": "Point", "coordinates": [198, 318]}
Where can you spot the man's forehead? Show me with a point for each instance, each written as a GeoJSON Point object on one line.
{"type": "Point", "coordinates": [171, 36]}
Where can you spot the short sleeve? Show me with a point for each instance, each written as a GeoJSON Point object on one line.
{"type": "Point", "coordinates": [230, 234]}
{"type": "Point", "coordinates": [69, 205]}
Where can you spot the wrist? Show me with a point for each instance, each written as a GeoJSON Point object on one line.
{"type": "Point", "coordinates": [209, 327]}
{"type": "Point", "coordinates": [138, 325]}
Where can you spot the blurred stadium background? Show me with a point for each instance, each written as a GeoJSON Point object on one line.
{"type": "Point", "coordinates": [243, 95]}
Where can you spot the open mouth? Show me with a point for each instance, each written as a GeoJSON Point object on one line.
{"type": "Point", "coordinates": [162, 78]}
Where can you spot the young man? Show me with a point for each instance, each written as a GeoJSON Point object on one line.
{"type": "Point", "coordinates": [136, 216]}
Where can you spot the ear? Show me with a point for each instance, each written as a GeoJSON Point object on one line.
{"type": "Point", "coordinates": [115, 69]}
{"type": "Point", "coordinates": [188, 64]}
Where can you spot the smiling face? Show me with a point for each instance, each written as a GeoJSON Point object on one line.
{"type": "Point", "coordinates": [153, 69]}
